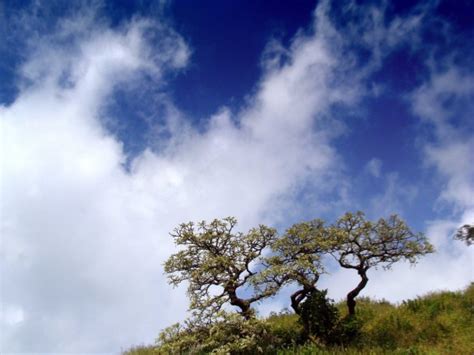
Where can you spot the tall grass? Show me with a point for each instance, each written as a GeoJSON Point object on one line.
{"type": "Point", "coordinates": [437, 323]}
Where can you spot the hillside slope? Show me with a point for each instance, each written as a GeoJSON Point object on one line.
{"type": "Point", "coordinates": [437, 323]}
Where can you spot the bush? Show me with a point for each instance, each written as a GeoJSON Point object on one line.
{"type": "Point", "coordinates": [230, 333]}
{"type": "Point", "coordinates": [320, 317]}
{"type": "Point", "coordinates": [348, 331]}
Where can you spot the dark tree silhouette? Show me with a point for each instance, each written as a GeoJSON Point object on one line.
{"type": "Point", "coordinates": [465, 234]}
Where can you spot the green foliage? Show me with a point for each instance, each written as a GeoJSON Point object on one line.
{"type": "Point", "coordinates": [438, 323]}
{"type": "Point", "coordinates": [348, 330]}
{"type": "Point", "coordinates": [320, 317]}
{"type": "Point", "coordinates": [229, 333]}
{"type": "Point", "coordinates": [360, 244]}
{"type": "Point", "coordinates": [296, 258]}
{"type": "Point", "coordinates": [357, 240]}
{"type": "Point", "coordinates": [443, 321]}
{"type": "Point", "coordinates": [222, 267]}
{"type": "Point", "coordinates": [217, 262]}
{"type": "Point", "coordinates": [141, 350]}
{"type": "Point", "coordinates": [297, 254]}
{"type": "Point", "coordinates": [286, 327]}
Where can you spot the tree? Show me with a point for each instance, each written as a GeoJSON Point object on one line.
{"type": "Point", "coordinates": [360, 244]}
{"type": "Point", "coordinates": [466, 234]}
{"type": "Point", "coordinates": [218, 262]}
{"type": "Point", "coordinates": [296, 258]}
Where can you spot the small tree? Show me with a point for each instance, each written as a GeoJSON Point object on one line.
{"type": "Point", "coordinates": [360, 245]}
{"type": "Point", "coordinates": [297, 258]}
{"type": "Point", "coordinates": [218, 262]}
{"type": "Point", "coordinates": [466, 234]}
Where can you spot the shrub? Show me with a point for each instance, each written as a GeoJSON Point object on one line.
{"type": "Point", "coordinates": [229, 333]}
{"type": "Point", "coordinates": [320, 317]}
{"type": "Point", "coordinates": [348, 330]}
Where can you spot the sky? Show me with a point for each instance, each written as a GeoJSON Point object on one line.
{"type": "Point", "coordinates": [120, 120]}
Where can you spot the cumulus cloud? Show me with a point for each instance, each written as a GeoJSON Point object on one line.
{"type": "Point", "coordinates": [83, 239]}
{"type": "Point", "coordinates": [79, 248]}
{"type": "Point", "coordinates": [443, 105]}
{"type": "Point", "coordinates": [374, 167]}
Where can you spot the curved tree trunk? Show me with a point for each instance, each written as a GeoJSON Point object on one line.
{"type": "Point", "coordinates": [244, 306]}
{"type": "Point", "coordinates": [296, 299]}
{"type": "Point", "coordinates": [299, 296]}
{"type": "Point", "coordinates": [351, 302]}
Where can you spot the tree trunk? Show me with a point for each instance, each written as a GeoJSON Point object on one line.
{"type": "Point", "coordinates": [299, 296]}
{"type": "Point", "coordinates": [296, 300]}
{"type": "Point", "coordinates": [351, 302]}
{"type": "Point", "coordinates": [244, 306]}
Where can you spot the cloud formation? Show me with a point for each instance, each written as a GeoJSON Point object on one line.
{"type": "Point", "coordinates": [78, 246]}
{"type": "Point", "coordinates": [442, 104]}
{"type": "Point", "coordinates": [84, 238]}
{"type": "Point", "coordinates": [374, 167]}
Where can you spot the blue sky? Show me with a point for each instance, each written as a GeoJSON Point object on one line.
{"type": "Point", "coordinates": [121, 119]}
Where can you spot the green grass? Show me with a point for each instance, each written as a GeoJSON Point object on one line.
{"type": "Point", "coordinates": [437, 323]}
{"type": "Point", "coordinates": [140, 350]}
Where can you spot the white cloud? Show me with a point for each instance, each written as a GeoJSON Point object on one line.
{"type": "Point", "coordinates": [83, 240]}
{"type": "Point", "coordinates": [395, 196]}
{"type": "Point", "coordinates": [443, 103]}
{"type": "Point", "coordinates": [79, 249]}
{"type": "Point", "coordinates": [449, 152]}
{"type": "Point", "coordinates": [373, 167]}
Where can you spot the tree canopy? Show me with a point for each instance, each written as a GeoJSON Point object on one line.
{"type": "Point", "coordinates": [297, 258]}
{"type": "Point", "coordinates": [360, 244]}
{"type": "Point", "coordinates": [219, 264]}
{"type": "Point", "coordinates": [223, 266]}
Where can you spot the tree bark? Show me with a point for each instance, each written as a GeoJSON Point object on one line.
{"type": "Point", "coordinates": [299, 296]}
{"type": "Point", "coordinates": [244, 306]}
{"type": "Point", "coordinates": [296, 300]}
{"type": "Point", "coordinates": [351, 302]}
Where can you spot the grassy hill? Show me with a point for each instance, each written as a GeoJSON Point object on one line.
{"type": "Point", "coordinates": [437, 323]}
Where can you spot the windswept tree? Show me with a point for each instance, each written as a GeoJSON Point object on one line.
{"type": "Point", "coordinates": [465, 234]}
{"type": "Point", "coordinates": [219, 264]}
{"type": "Point", "coordinates": [360, 244]}
{"type": "Point", "coordinates": [296, 258]}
